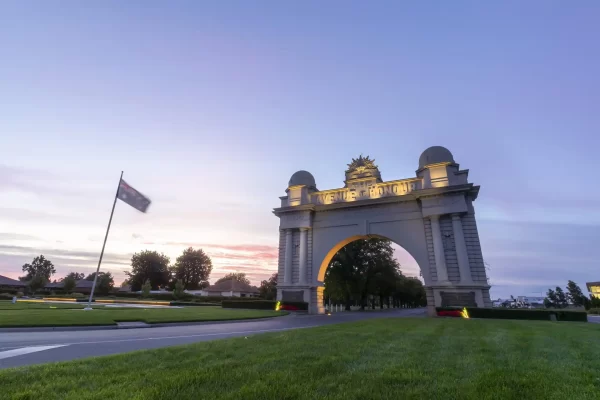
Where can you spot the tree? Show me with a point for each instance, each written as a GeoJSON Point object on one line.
{"type": "Point", "coordinates": [69, 283]}
{"type": "Point", "coordinates": [179, 290]}
{"type": "Point", "coordinates": [359, 270]}
{"type": "Point", "coordinates": [575, 295]}
{"type": "Point", "coordinates": [594, 301]}
{"type": "Point", "coordinates": [561, 298]}
{"type": "Point", "coordinates": [341, 275]}
{"type": "Point", "coordinates": [76, 275]}
{"type": "Point", "coordinates": [39, 266]}
{"type": "Point", "coordinates": [104, 283]}
{"type": "Point", "coordinates": [551, 300]}
{"type": "Point", "coordinates": [193, 267]}
{"type": "Point", "coordinates": [268, 288]}
{"type": "Point", "coordinates": [37, 282]}
{"type": "Point", "coordinates": [151, 266]}
{"type": "Point", "coordinates": [236, 276]}
{"type": "Point", "coordinates": [410, 291]}
{"type": "Point", "coordinates": [146, 287]}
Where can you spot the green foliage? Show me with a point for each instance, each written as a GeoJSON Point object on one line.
{"type": "Point", "coordinates": [595, 311]}
{"type": "Point", "coordinates": [193, 268]}
{"type": "Point", "coordinates": [527, 314]}
{"type": "Point", "coordinates": [151, 266]}
{"type": "Point", "coordinates": [104, 284]}
{"type": "Point", "coordinates": [69, 283]}
{"type": "Point", "coordinates": [6, 296]}
{"type": "Point", "coordinates": [594, 302]}
{"type": "Point", "coordinates": [268, 288]}
{"type": "Point", "coordinates": [366, 269]}
{"type": "Point", "coordinates": [19, 294]}
{"type": "Point", "coordinates": [146, 287]}
{"type": "Point", "coordinates": [78, 295]}
{"type": "Point", "coordinates": [76, 275]}
{"type": "Point", "coordinates": [561, 298]}
{"type": "Point", "coordinates": [552, 299]}
{"type": "Point", "coordinates": [40, 266]}
{"type": "Point", "coordinates": [37, 282]}
{"type": "Point", "coordinates": [575, 295]}
{"type": "Point", "coordinates": [191, 304]}
{"type": "Point", "coordinates": [237, 276]}
{"type": "Point", "coordinates": [262, 304]}
{"type": "Point", "coordinates": [178, 292]}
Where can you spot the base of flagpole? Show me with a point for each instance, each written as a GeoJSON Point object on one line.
{"type": "Point", "coordinates": [88, 308]}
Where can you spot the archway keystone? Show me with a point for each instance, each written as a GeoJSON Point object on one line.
{"type": "Point", "coordinates": [430, 215]}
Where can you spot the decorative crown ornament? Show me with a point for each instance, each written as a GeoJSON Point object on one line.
{"type": "Point", "coordinates": [361, 163]}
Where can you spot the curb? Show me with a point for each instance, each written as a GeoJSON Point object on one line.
{"type": "Point", "coordinates": [109, 327]}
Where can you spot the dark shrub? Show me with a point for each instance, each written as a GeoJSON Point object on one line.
{"type": "Point", "coordinates": [192, 303]}
{"type": "Point", "coordinates": [515, 313]}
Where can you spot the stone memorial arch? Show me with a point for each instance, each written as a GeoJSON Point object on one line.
{"type": "Point", "coordinates": [431, 216]}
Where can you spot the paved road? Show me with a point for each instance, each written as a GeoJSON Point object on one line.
{"type": "Point", "coordinates": [19, 348]}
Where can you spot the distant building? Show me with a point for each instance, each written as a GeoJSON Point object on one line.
{"type": "Point", "coordinates": [82, 286]}
{"type": "Point", "coordinates": [124, 289]}
{"type": "Point", "coordinates": [594, 288]}
{"type": "Point", "coordinates": [6, 282]}
{"type": "Point", "coordinates": [231, 288]}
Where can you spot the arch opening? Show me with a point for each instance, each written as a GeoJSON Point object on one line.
{"type": "Point", "coordinates": [370, 271]}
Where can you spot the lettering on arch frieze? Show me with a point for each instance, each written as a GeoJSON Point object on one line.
{"type": "Point", "coordinates": [387, 210]}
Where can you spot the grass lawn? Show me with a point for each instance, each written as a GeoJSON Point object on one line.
{"type": "Point", "coordinates": [407, 358]}
{"type": "Point", "coordinates": [63, 315]}
{"type": "Point", "coordinates": [7, 305]}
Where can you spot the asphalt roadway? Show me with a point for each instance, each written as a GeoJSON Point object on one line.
{"type": "Point", "coordinates": [27, 348]}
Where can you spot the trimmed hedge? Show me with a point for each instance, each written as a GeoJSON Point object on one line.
{"type": "Point", "coordinates": [255, 305]}
{"type": "Point", "coordinates": [265, 305]}
{"type": "Point", "coordinates": [526, 314]}
{"type": "Point", "coordinates": [192, 303]}
{"type": "Point", "coordinates": [595, 311]}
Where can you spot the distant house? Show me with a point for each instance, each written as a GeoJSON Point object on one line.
{"type": "Point", "coordinates": [82, 286]}
{"type": "Point", "coordinates": [231, 288]}
{"type": "Point", "coordinates": [124, 289]}
{"type": "Point", "coordinates": [8, 283]}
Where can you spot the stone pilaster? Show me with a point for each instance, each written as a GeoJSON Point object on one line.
{"type": "Point", "coordinates": [303, 255]}
{"type": "Point", "coordinates": [287, 277]}
{"type": "Point", "coordinates": [438, 249]}
{"type": "Point", "coordinates": [461, 250]}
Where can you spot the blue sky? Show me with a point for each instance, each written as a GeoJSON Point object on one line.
{"type": "Point", "coordinates": [209, 107]}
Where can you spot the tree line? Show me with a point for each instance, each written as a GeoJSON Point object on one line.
{"type": "Point", "coordinates": [559, 298]}
{"type": "Point", "coordinates": [150, 270]}
{"type": "Point", "coordinates": [365, 272]}
{"type": "Point", "coordinates": [39, 272]}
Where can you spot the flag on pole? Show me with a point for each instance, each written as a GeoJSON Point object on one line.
{"type": "Point", "coordinates": [132, 197]}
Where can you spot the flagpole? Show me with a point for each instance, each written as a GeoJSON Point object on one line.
{"type": "Point", "coordinates": [89, 306]}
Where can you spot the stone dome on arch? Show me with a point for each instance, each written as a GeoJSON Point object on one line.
{"type": "Point", "coordinates": [435, 155]}
{"type": "Point", "coordinates": [302, 178]}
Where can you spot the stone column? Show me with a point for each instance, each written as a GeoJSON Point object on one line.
{"type": "Point", "coordinates": [438, 250]}
{"type": "Point", "coordinates": [289, 244]}
{"type": "Point", "coordinates": [461, 250]}
{"type": "Point", "coordinates": [303, 254]}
